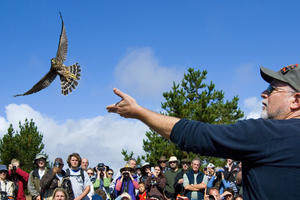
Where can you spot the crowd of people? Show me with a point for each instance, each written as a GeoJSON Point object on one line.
{"type": "Point", "coordinates": [168, 179]}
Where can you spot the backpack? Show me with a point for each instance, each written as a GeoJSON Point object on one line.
{"type": "Point", "coordinates": [81, 173]}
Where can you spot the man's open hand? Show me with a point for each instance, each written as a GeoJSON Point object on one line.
{"type": "Point", "coordinates": [127, 107]}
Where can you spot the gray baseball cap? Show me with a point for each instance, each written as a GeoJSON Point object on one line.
{"type": "Point", "coordinates": [3, 168]}
{"type": "Point", "coordinates": [289, 74]}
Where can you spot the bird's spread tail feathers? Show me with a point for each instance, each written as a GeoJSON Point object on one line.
{"type": "Point", "coordinates": [70, 83]}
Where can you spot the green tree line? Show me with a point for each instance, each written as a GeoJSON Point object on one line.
{"type": "Point", "coordinates": [195, 99]}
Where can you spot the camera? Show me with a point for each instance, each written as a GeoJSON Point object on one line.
{"type": "Point", "coordinates": [3, 195]}
{"type": "Point", "coordinates": [219, 175]}
{"type": "Point", "coordinates": [93, 179]}
{"type": "Point", "coordinates": [153, 182]}
{"type": "Point", "coordinates": [101, 167]}
{"type": "Point", "coordinates": [211, 197]}
{"type": "Point", "coordinates": [56, 164]}
{"type": "Point", "coordinates": [125, 174]}
{"type": "Point", "coordinates": [14, 169]}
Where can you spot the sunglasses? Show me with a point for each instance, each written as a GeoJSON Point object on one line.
{"type": "Point", "coordinates": [162, 161]}
{"type": "Point", "coordinates": [185, 163]}
{"type": "Point", "coordinates": [110, 173]}
{"type": "Point", "coordinates": [271, 88]}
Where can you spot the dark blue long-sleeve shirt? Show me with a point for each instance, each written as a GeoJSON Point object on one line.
{"type": "Point", "coordinates": [269, 150]}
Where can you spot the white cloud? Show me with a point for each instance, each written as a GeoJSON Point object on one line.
{"type": "Point", "coordinates": [140, 72]}
{"type": "Point", "coordinates": [100, 139]}
{"type": "Point", "coordinates": [252, 107]}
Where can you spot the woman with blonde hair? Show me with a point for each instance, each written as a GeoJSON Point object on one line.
{"type": "Point", "coordinates": [59, 194]}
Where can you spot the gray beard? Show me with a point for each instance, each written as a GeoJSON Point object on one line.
{"type": "Point", "coordinates": [264, 114]}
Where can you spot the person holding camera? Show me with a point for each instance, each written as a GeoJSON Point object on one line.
{"type": "Point", "coordinates": [100, 174]}
{"type": "Point", "coordinates": [6, 186]}
{"type": "Point", "coordinates": [218, 181]}
{"type": "Point", "coordinates": [146, 171]}
{"type": "Point", "coordinates": [127, 182]}
{"type": "Point", "coordinates": [19, 178]}
{"type": "Point", "coordinates": [156, 183]}
{"type": "Point", "coordinates": [102, 181]}
{"type": "Point", "coordinates": [55, 178]}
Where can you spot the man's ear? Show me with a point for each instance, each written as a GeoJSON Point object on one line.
{"type": "Point", "coordinates": [295, 104]}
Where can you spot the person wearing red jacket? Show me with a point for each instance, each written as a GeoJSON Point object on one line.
{"type": "Point", "coordinates": [19, 177]}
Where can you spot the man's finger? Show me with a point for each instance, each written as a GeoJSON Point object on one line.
{"type": "Point", "coordinates": [120, 93]}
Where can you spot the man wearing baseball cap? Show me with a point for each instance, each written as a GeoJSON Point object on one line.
{"type": "Point", "coordinates": [268, 147]}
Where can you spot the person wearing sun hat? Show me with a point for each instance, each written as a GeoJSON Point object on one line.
{"type": "Point", "coordinates": [127, 182]}
{"type": "Point", "coordinates": [267, 146]}
{"type": "Point", "coordinates": [170, 177]}
{"type": "Point", "coordinates": [163, 163]}
{"type": "Point", "coordinates": [35, 176]}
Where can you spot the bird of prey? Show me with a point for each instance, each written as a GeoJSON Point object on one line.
{"type": "Point", "coordinates": [68, 74]}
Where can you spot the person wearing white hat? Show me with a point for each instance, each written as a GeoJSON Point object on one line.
{"type": "Point", "coordinates": [210, 170]}
{"type": "Point", "coordinates": [170, 177]}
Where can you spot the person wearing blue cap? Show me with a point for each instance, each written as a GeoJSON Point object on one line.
{"type": "Point", "coordinates": [6, 186]}
{"type": "Point", "coordinates": [267, 147]}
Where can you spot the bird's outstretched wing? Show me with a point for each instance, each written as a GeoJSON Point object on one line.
{"type": "Point", "coordinates": [62, 50]}
{"type": "Point", "coordinates": [43, 83]}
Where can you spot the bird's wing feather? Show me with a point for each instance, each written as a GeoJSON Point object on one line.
{"type": "Point", "coordinates": [62, 50]}
{"type": "Point", "coordinates": [43, 83]}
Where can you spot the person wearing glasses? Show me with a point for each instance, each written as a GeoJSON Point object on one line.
{"type": "Point", "coordinates": [267, 146]}
{"type": "Point", "coordinates": [163, 163]}
{"type": "Point", "coordinates": [185, 166]}
{"type": "Point", "coordinates": [107, 180]}
{"type": "Point", "coordinates": [91, 173]}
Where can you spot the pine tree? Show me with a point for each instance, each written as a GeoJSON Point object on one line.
{"type": "Point", "coordinates": [22, 145]}
{"type": "Point", "coordinates": [196, 100]}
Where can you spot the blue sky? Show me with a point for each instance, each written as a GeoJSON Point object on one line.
{"type": "Point", "coordinates": [140, 47]}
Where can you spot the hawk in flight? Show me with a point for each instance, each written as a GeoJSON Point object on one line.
{"type": "Point", "coordinates": [68, 75]}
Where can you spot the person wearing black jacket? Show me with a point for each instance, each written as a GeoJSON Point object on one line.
{"type": "Point", "coordinates": [179, 189]}
{"type": "Point", "coordinates": [56, 178]}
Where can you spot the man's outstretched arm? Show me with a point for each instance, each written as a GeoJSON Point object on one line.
{"type": "Point", "coordinates": [128, 108]}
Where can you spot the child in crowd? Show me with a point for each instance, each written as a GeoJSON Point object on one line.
{"type": "Point", "coordinates": [142, 192]}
